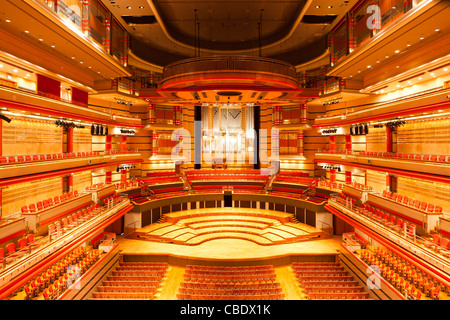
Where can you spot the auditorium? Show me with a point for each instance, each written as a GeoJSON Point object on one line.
{"type": "Point", "coordinates": [248, 151]}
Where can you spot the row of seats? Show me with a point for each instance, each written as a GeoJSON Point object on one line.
{"type": "Point", "coordinates": [406, 156]}
{"type": "Point", "coordinates": [420, 205]}
{"type": "Point", "coordinates": [49, 156]}
{"type": "Point", "coordinates": [405, 277]}
{"type": "Point", "coordinates": [361, 186]}
{"type": "Point", "coordinates": [72, 220]}
{"type": "Point", "coordinates": [56, 279]}
{"type": "Point", "coordinates": [439, 244]}
{"type": "Point", "coordinates": [128, 184]}
{"type": "Point", "coordinates": [132, 280]}
{"type": "Point", "coordinates": [230, 283]}
{"type": "Point", "coordinates": [57, 156]}
{"type": "Point", "coordinates": [391, 221]}
{"type": "Point", "coordinates": [328, 184]}
{"type": "Point", "coordinates": [327, 280]}
{"type": "Point", "coordinates": [47, 203]}
{"type": "Point", "coordinates": [24, 245]}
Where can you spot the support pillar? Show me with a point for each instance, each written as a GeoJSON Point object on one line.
{"type": "Point", "coordinates": [86, 18]}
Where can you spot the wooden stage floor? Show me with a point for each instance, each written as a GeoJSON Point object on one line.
{"type": "Point", "coordinates": [230, 249]}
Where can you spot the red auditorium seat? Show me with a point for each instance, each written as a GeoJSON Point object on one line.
{"type": "Point", "coordinates": [399, 198]}
{"type": "Point", "coordinates": [11, 249]}
{"type": "Point", "coordinates": [24, 209]}
{"type": "Point", "coordinates": [48, 157]}
{"type": "Point", "coordinates": [27, 158]}
{"type": "Point", "coordinates": [430, 207]}
{"type": "Point", "coordinates": [54, 156]}
{"type": "Point", "coordinates": [443, 244]}
{"type": "Point", "coordinates": [35, 157]}
{"type": "Point", "coordinates": [22, 242]}
{"type": "Point", "coordinates": [433, 158]}
{"type": "Point", "coordinates": [45, 204]}
{"type": "Point", "coordinates": [411, 202]}
{"type": "Point", "coordinates": [441, 158]}
{"type": "Point", "coordinates": [423, 206]}
{"type": "Point", "coordinates": [59, 156]}
{"type": "Point", "coordinates": [20, 158]}
{"type": "Point", "coordinates": [41, 157]}
{"type": "Point", "coordinates": [50, 201]}
{"type": "Point", "coordinates": [11, 159]}
{"type": "Point", "coordinates": [3, 160]}
{"type": "Point", "coordinates": [56, 200]}
{"type": "Point", "coordinates": [32, 207]}
{"type": "Point", "coordinates": [394, 155]}
{"type": "Point", "coordinates": [418, 157]}
{"type": "Point", "coordinates": [394, 196]}
{"type": "Point", "coordinates": [400, 155]}
{"type": "Point", "coordinates": [384, 193]}
{"type": "Point", "coordinates": [438, 209]}
{"type": "Point", "coordinates": [436, 239]}
{"type": "Point", "coordinates": [405, 156]}
{"type": "Point", "coordinates": [411, 156]}
{"type": "Point", "coordinates": [405, 200]}
{"type": "Point", "coordinates": [39, 205]}
{"type": "Point", "coordinates": [426, 157]}
{"type": "Point", "coordinates": [417, 205]}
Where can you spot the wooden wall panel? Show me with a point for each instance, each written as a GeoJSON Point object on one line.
{"type": "Point", "coordinates": [81, 180]}
{"type": "Point", "coordinates": [18, 195]}
{"type": "Point", "coordinates": [82, 140]}
{"type": "Point", "coordinates": [424, 137]}
{"type": "Point", "coordinates": [376, 180]}
{"type": "Point", "coordinates": [428, 191]}
{"type": "Point", "coordinates": [21, 137]}
{"type": "Point", "coordinates": [376, 139]}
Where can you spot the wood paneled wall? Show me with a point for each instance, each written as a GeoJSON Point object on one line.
{"type": "Point", "coordinates": [425, 137]}
{"type": "Point", "coordinates": [22, 137]}
{"type": "Point", "coordinates": [17, 195]}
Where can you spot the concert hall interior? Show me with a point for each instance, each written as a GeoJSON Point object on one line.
{"type": "Point", "coordinates": [224, 150]}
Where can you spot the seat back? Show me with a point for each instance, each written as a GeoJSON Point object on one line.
{"type": "Point", "coordinates": [11, 248]}
{"type": "Point", "coordinates": [444, 243]}
{"type": "Point", "coordinates": [30, 238]}
{"type": "Point", "coordinates": [22, 242]}
{"type": "Point", "coordinates": [423, 205]}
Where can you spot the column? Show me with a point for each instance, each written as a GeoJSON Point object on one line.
{"type": "Point", "coordinates": [388, 139]}
{"type": "Point", "coordinates": [332, 175]}
{"type": "Point", "coordinates": [108, 177]}
{"type": "Point", "coordinates": [300, 138]}
{"type": "Point", "coordinates": [348, 143]}
{"type": "Point", "coordinates": [107, 41]}
{"type": "Point", "coordinates": [126, 44]}
{"type": "Point", "coordinates": [257, 127]}
{"type": "Point", "coordinates": [123, 143]}
{"type": "Point", "coordinates": [69, 140]}
{"type": "Point", "coordinates": [197, 137]}
{"type": "Point", "coordinates": [332, 143]}
{"type": "Point", "coordinates": [151, 113]}
{"type": "Point", "coordinates": [123, 176]}
{"type": "Point", "coordinates": [86, 18]}
{"type": "Point", "coordinates": [348, 177]}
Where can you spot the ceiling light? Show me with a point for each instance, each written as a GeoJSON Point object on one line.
{"type": "Point", "coordinates": [368, 67]}
{"type": "Point", "coordinates": [408, 45]}
{"type": "Point", "coordinates": [437, 30]}
{"type": "Point", "coordinates": [15, 70]}
{"type": "Point", "coordinates": [432, 73]}
{"type": "Point", "coordinates": [420, 78]}
{"type": "Point", "coordinates": [8, 20]}
{"type": "Point", "coordinates": [387, 57]}
{"type": "Point", "coordinates": [128, 7]}
{"type": "Point", "coordinates": [73, 57]}
{"type": "Point", "coordinates": [27, 75]}
{"type": "Point", "coordinates": [397, 51]}
{"type": "Point", "coordinates": [81, 62]}
{"type": "Point", "coordinates": [445, 69]}
{"type": "Point", "coordinates": [40, 39]}
{"type": "Point", "coordinates": [1, 66]}
{"type": "Point", "coordinates": [398, 86]}
{"type": "Point", "coordinates": [141, 7]}
{"type": "Point", "coordinates": [317, 7]}
{"type": "Point", "coordinates": [53, 46]}
{"type": "Point", "coordinates": [26, 31]}
{"type": "Point", "coordinates": [329, 7]}
{"type": "Point", "coordinates": [421, 38]}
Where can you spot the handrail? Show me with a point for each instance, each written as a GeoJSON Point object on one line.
{"type": "Point", "coordinates": [244, 63]}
